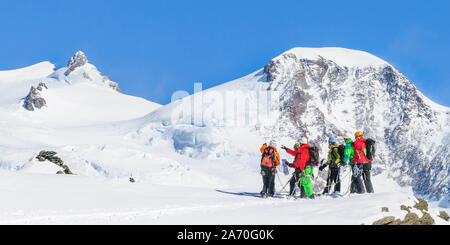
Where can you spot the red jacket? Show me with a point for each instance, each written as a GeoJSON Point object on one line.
{"type": "Point", "coordinates": [301, 156]}
{"type": "Point", "coordinates": [360, 151]}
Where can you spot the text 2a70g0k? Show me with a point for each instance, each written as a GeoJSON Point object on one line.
{"type": "Point", "coordinates": [247, 235]}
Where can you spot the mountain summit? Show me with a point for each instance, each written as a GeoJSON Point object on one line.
{"type": "Point", "coordinates": [79, 69]}
{"type": "Point", "coordinates": [79, 59]}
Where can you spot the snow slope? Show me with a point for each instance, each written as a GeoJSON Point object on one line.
{"type": "Point", "coordinates": [193, 163]}
{"type": "Point", "coordinates": [39, 70]}
{"type": "Point", "coordinates": [341, 56]}
{"type": "Point", "coordinates": [83, 200]}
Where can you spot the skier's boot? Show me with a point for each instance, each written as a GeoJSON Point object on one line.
{"type": "Point", "coordinates": [263, 194]}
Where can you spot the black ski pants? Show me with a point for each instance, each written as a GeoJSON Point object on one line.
{"type": "Point", "coordinates": [294, 180]}
{"type": "Point", "coordinates": [366, 167]}
{"type": "Point", "coordinates": [333, 177]}
{"type": "Point", "coordinates": [268, 175]}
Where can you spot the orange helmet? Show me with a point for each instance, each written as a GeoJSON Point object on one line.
{"type": "Point", "coordinates": [359, 133]}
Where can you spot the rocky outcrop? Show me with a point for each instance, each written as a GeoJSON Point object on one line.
{"type": "Point", "coordinates": [385, 221]}
{"type": "Point", "coordinates": [79, 59]}
{"type": "Point", "coordinates": [443, 215]}
{"type": "Point", "coordinates": [421, 205]}
{"type": "Point", "coordinates": [405, 208]}
{"type": "Point", "coordinates": [51, 157]}
{"type": "Point", "coordinates": [426, 219]}
{"type": "Point", "coordinates": [410, 218]}
{"type": "Point", "coordinates": [111, 84]}
{"type": "Point", "coordinates": [34, 99]}
{"type": "Point", "coordinates": [41, 86]}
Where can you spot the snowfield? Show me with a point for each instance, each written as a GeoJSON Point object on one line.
{"type": "Point", "coordinates": [50, 199]}
{"type": "Point", "coordinates": [187, 171]}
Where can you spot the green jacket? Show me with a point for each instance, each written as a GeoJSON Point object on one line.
{"type": "Point", "coordinates": [349, 152]}
{"type": "Point", "coordinates": [333, 155]}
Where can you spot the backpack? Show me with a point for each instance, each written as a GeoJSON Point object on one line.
{"type": "Point", "coordinates": [268, 157]}
{"type": "Point", "coordinates": [341, 151]}
{"type": "Point", "coordinates": [370, 147]}
{"type": "Point", "coordinates": [313, 156]}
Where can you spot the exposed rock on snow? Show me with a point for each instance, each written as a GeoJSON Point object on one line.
{"type": "Point", "coordinates": [411, 219]}
{"type": "Point", "coordinates": [41, 86]}
{"type": "Point", "coordinates": [405, 208]}
{"type": "Point", "coordinates": [426, 219]}
{"type": "Point", "coordinates": [111, 84]}
{"type": "Point", "coordinates": [384, 221]}
{"type": "Point", "coordinates": [78, 60]}
{"type": "Point", "coordinates": [51, 157]}
{"type": "Point", "coordinates": [422, 205]}
{"type": "Point", "coordinates": [443, 215]}
{"type": "Point", "coordinates": [33, 99]}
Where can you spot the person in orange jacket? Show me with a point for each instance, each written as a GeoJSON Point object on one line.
{"type": "Point", "coordinates": [270, 159]}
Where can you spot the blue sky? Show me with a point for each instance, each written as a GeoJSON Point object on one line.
{"type": "Point", "coordinates": [153, 48]}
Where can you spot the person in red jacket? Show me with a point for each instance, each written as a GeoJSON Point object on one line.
{"type": "Point", "coordinates": [362, 162]}
{"type": "Point", "coordinates": [302, 171]}
{"type": "Point", "coordinates": [361, 166]}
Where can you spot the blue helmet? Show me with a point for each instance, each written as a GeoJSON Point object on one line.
{"type": "Point", "coordinates": [332, 139]}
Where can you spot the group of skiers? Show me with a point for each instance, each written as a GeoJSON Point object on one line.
{"type": "Point", "coordinates": [357, 153]}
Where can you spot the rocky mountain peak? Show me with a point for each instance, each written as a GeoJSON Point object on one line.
{"type": "Point", "coordinates": [34, 98]}
{"type": "Point", "coordinates": [79, 59]}
{"type": "Point", "coordinates": [334, 91]}
{"type": "Point", "coordinates": [88, 72]}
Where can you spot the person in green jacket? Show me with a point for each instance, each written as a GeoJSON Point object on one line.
{"type": "Point", "coordinates": [349, 153]}
{"type": "Point", "coordinates": [334, 161]}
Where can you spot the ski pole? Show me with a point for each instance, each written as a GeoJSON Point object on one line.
{"type": "Point", "coordinates": [279, 179]}
{"type": "Point", "coordinates": [286, 184]}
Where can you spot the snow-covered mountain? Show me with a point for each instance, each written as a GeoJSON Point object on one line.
{"type": "Point", "coordinates": [330, 91]}
{"type": "Point", "coordinates": [322, 92]}
{"type": "Point", "coordinates": [196, 160]}
{"type": "Point", "coordinates": [68, 104]}
{"type": "Point", "coordinates": [75, 94]}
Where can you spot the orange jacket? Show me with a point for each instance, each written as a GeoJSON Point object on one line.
{"type": "Point", "coordinates": [277, 156]}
